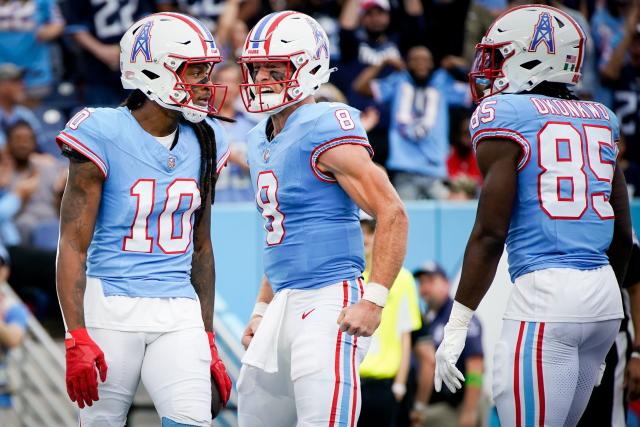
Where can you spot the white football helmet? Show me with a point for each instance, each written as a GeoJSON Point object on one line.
{"type": "Point", "coordinates": [286, 37]}
{"type": "Point", "coordinates": [154, 55]}
{"type": "Point", "coordinates": [525, 46]}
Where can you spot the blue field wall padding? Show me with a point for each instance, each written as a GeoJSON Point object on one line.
{"type": "Point", "coordinates": [437, 230]}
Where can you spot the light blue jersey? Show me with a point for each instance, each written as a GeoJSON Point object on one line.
{"type": "Point", "coordinates": [313, 236]}
{"type": "Point", "coordinates": [142, 242]}
{"type": "Point", "coordinates": [561, 215]}
{"type": "Point", "coordinates": [419, 132]}
{"type": "Point", "coordinates": [19, 25]}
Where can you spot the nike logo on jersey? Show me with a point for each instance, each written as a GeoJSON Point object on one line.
{"type": "Point", "coordinates": [304, 315]}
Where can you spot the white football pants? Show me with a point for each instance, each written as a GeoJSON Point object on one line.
{"type": "Point", "coordinates": [300, 369]}
{"type": "Point", "coordinates": [544, 373]}
{"type": "Point", "coordinates": [174, 367]}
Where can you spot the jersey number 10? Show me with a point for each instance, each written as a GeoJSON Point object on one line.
{"type": "Point", "coordinates": [567, 166]}
{"type": "Point", "coordinates": [144, 191]}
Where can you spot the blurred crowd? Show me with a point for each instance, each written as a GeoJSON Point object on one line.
{"type": "Point", "coordinates": [403, 63]}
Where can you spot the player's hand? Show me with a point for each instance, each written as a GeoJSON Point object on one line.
{"type": "Point", "coordinates": [446, 357]}
{"type": "Point", "coordinates": [83, 357]}
{"type": "Point", "coordinates": [632, 378]}
{"type": "Point", "coordinates": [417, 418]}
{"type": "Point", "coordinates": [218, 371]}
{"type": "Point", "coordinates": [360, 319]}
{"type": "Point", "coordinates": [250, 331]}
{"type": "Point", "coordinates": [468, 418]}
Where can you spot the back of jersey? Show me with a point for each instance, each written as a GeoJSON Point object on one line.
{"type": "Point", "coordinates": [561, 215]}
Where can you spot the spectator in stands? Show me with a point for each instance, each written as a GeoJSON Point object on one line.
{"type": "Point", "coordinates": [384, 370]}
{"type": "Point", "coordinates": [234, 182]}
{"type": "Point", "coordinates": [12, 94]}
{"type": "Point", "coordinates": [25, 164]}
{"type": "Point", "coordinates": [445, 408]}
{"type": "Point", "coordinates": [26, 29]}
{"type": "Point", "coordinates": [366, 40]}
{"type": "Point", "coordinates": [613, 26]}
{"type": "Point", "coordinates": [625, 89]}
{"type": "Point", "coordinates": [419, 132]}
{"type": "Point", "coordinates": [13, 325]}
{"type": "Point", "coordinates": [97, 27]}
{"type": "Point", "coordinates": [462, 159]}
{"type": "Point", "coordinates": [11, 200]}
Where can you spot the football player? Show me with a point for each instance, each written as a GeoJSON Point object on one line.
{"type": "Point", "coordinates": [553, 192]}
{"type": "Point", "coordinates": [311, 169]}
{"type": "Point", "coordinates": [135, 273]}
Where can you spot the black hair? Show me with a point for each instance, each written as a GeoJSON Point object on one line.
{"type": "Point", "coordinates": [207, 141]}
{"type": "Point", "coordinates": [555, 90]}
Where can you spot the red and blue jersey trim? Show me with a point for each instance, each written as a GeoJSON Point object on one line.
{"type": "Point", "coordinates": [479, 136]}
{"type": "Point", "coordinates": [323, 148]}
{"type": "Point", "coordinates": [65, 138]}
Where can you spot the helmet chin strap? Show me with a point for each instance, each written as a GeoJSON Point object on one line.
{"type": "Point", "coordinates": [189, 114]}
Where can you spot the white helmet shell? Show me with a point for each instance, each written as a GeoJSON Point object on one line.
{"type": "Point", "coordinates": [293, 38]}
{"type": "Point", "coordinates": [525, 46]}
{"type": "Point", "coordinates": [154, 54]}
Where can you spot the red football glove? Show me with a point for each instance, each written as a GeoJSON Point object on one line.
{"type": "Point", "coordinates": [83, 357]}
{"type": "Point", "coordinates": [218, 371]}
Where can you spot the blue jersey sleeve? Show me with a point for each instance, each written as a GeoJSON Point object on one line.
{"type": "Point", "coordinates": [85, 134]}
{"type": "Point", "coordinates": [223, 148]}
{"type": "Point", "coordinates": [16, 315]}
{"type": "Point", "coordinates": [338, 125]}
{"type": "Point", "coordinates": [50, 12]}
{"type": "Point", "coordinates": [497, 118]}
{"type": "Point", "coordinates": [384, 89]}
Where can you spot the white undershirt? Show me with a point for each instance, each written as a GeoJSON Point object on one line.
{"type": "Point", "coordinates": [166, 141]}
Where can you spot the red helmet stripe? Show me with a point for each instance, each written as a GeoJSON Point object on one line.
{"type": "Point", "coordinates": [273, 27]}
{"type": "Point", "coordinates": [191, 24]}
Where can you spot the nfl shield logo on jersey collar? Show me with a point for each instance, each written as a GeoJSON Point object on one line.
{"type": "Point", "coordinates": [171, 162]}
{"type": "Point", "coordinates": [266, 154]}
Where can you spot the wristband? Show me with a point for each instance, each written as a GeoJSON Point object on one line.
{"type": "Point", "coordinates": [376, 293]}
{"type": "Point", "coordinates": [635, 354]}
{"type": "Point", "coordinates": [399, 388]}
{"type": "Point", "coordinates": [419, 406]}
{"type": "Point", "coordinates": [460, 315]}
{"type": "Point", "coordinates": [259, 309]}
{"type": "Point", "coordinates": [473, 379]}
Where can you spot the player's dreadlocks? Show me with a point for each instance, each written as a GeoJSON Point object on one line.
{"type": "Point", "coordinates": [206, 139]}
{"type": "Point", "coordinates": [555, 90]}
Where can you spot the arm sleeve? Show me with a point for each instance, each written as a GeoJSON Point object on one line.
{"type": "Point", "coordinates": [9, 206]}
{"type": "Point", "coordinates": [84, 135]}
{"type": "Point", "coordinates": [339, 125]}
{"type": "Point", "coordinates": [52, 13]}
{"type": "Point", "coordinates": [17, 315]}
{"type": "Point", "coordinates": [384, 89]}
{"type": "Point", "coordinates": [495, 118]}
